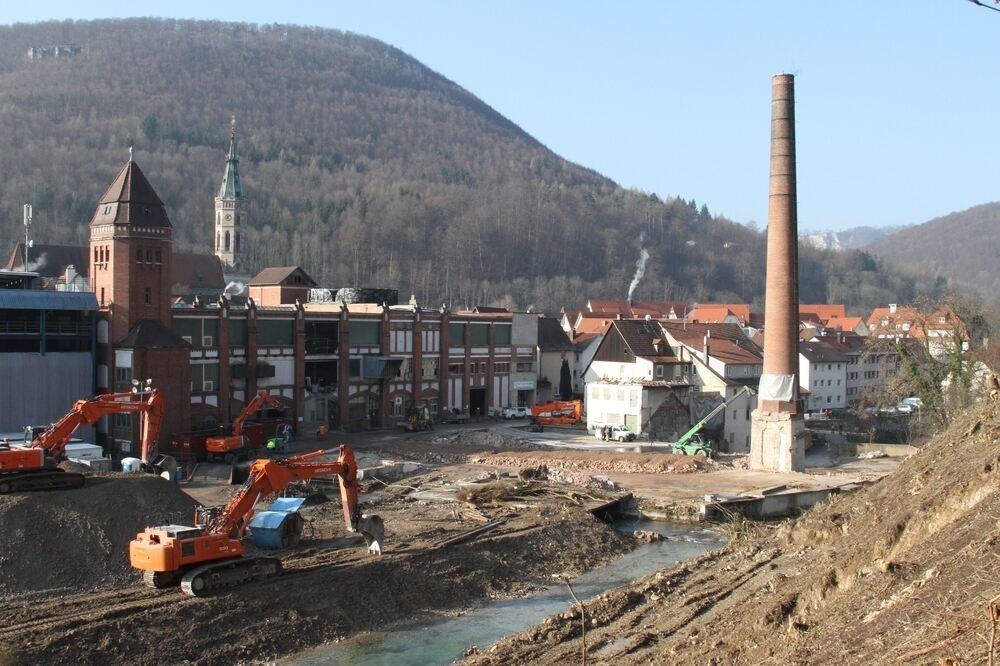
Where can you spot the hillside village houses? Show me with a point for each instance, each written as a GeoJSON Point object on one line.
{"type": "Point", "coordinates": [358, 358]}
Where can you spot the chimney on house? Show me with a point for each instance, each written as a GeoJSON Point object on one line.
{"type": "Point", "coordinates": [892, 308]}
{"type": "Point", "coordinates": [705, 344]}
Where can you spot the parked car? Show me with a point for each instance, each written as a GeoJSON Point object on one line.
{"type": "Point", "coordinates": [515, 412]}
{"type": "Point", "coordinates": [905, 408]}
{"type": "Point", "coordinates": [617, 433]}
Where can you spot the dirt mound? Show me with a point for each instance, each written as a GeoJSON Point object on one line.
{"type": "Point", "coordinates": [78, 539]}
{"type": "Point", "coordinates": [899, 572]}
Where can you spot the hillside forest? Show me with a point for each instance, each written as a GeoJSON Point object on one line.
{"type": "Point", "coordinates": [364, 167]}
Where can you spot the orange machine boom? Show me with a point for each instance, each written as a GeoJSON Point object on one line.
{"type": "Point", "coordinates": [562, 412]}
{"type": "Point", "coordinates": [233, 446]}
{"type": "Point", "coordinates": [33, 467]}
{"type": "Point", "coordinates": [209, 556]}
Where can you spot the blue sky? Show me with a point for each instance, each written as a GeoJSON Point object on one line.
{"type": "Point", "coordinates": [898, 107]}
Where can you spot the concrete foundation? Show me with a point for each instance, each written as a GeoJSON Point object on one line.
{"type": "Point", "coordinates": [777, 442]}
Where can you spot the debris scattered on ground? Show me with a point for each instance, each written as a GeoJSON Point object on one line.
{"type": "Point", "coordinates": [442, 556]}
{"type": "Point", "coordinates": [578, 466]}
{"type": "Point", "coordinates": [871, 455]}
{"type": "Point", "coordinates": [901, 571]}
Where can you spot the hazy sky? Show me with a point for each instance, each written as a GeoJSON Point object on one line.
{"type": "Point", "coordinates": [898, 103]}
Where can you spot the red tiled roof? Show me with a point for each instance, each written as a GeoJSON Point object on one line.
{"type": "Point", "coordinates": [821, 311]}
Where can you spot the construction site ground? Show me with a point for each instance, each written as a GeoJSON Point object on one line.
{"type": "Point", "coordinates": [903, 571]}
{"type": "Point", "coordinates": [76, 599]}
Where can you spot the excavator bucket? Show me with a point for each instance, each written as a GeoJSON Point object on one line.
{"type": "Point", "coordinates": [165, 466]}
{"type": "Point", "coordinates": [239, 473]}
{"type": "Point", "coordinates": [373, 530]}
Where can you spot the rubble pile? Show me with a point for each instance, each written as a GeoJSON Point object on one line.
{"type": "Point", "coordinates": [579, 466]}
{"type": "Point", "coordinates": [79, 539]}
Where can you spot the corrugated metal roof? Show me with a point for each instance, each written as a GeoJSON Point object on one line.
{"type": "Point", "coordinates": [36, 299]}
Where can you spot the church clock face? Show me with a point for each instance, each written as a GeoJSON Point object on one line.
{"type": "Point", "coordinates": [228, 217]}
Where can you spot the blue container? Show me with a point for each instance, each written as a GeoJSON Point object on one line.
{"type": "Point", "coordinates": [278, 527]}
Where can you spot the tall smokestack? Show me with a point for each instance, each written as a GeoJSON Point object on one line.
{"type": "Point", "coordinates": [781, 305]}
{"type": "Point", "coordinates": [776, 442]}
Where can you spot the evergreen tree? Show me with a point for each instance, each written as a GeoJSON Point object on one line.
{"type": "Point", "coordinates": [565, 381]}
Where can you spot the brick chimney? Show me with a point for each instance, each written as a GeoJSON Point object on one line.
{"type": "Point", "coordinates": [776, 432]}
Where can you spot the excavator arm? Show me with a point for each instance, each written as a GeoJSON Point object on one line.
{"type": "Point", "coordinates": [711, 415]}
{"type": "Point", "coordinates": [262, 398]}
{"type": "Point", "coordinates": [267, 477]}
{"type": "Point", "coordinates": [87, 412]}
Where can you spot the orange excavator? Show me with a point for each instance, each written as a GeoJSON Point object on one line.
{"type": "Point", "coordinates": [34, 466]}
{"type": "Point", "coordinates": [233, 447]}
{"type": "Point", "coordinates": [209, 556]}
{"type": "Point", "coordinates": [561, 412]}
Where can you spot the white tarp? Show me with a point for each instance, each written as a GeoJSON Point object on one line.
{"type": "Point", "coordinates": [777, 387]}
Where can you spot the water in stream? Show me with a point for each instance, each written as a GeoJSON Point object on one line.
{"type": "Point", "coordinates": [442, 641]}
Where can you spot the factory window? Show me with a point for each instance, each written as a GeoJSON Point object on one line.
{"type": "Point", "coordinates": [159, 256]}
{"type": "Point", "coordinates": [149, 296]}
{"type": "Point", "coordinates": [480, 335]}
{"type": "Point", "coordinates": [429, 368]}
{"type": "Point", "coordinates": [455, 368]}
{"type": "Point", "coordinates": [354, 368]}
{"type": "Point", "coordinates": [502, 333]}
{"type": "Point", "coordinates": [276, 332]}
{"type": "Point", "coordinates": [237, 332]}
{"type": "Point", "coordinates": [364, 333]}
{"type": "Point", "coordinates": [138, 256]}
{"type": "Point", "coordinates": [149, 256]}
{"type": "Point", "coordinates": [456, 335]}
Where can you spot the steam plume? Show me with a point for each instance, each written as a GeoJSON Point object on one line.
{"type": "Point", "coordinates": [640, 266]}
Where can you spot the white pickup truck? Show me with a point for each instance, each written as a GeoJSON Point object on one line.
{"type": "Point", "coordinates": [515, 412]}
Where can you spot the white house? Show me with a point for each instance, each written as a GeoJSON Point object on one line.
{"type": "Point", "coordinates": [823, 371]}
{"type": "Point", "coordinates": [636, 380]}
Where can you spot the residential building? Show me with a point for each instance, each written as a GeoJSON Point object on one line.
{"type": "Point", "coordinates": [554, 348]}
{"type": "Point", "coordinates": [823, 371]}
{"type": "Point", "coordinates": [724, 362]}
{"type": "Point", "coordinates": [636, 380]}
{"type": "Point", "coordinates": [942, 330]}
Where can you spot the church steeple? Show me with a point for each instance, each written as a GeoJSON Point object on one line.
{"type": "Point", "coordinates": [230, 208]}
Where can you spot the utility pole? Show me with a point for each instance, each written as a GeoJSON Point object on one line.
{"type": "Point", "coordinates": [27, 238]}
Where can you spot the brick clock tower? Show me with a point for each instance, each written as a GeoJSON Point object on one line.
{"type": "Point", "coordinates": [130, 272]}
{"type": "Point", "coordinates": [130, 252]}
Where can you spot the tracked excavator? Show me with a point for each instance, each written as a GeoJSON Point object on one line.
{"type": "Point", "coordinates": [33, 466]}
{"type": "Point", "coordinates": [210, 556]}
{"type": "Point", "coordinates": [233, 447]}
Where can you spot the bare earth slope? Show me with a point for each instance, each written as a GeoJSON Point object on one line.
{"type": "Point", "coordinates": [899, 572]}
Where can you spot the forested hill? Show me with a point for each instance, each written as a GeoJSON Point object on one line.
{"type": "Point", "coordinates": [361, 165]}
{"type": "Point", "coordinates": [962, 247]}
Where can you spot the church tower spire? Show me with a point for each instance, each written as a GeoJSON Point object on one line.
{"type": "Point", "coordinates": [230, 209]}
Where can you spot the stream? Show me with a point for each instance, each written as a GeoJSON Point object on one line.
{"type": "Point", "coordinates": [444, 640]}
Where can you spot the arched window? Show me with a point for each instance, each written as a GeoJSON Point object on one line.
{"type": "Point", "coordinates": [237, 219]}
{"type": "Point", "coordinates": [236, 241]}
{"type": "Point", "coordinates": [218, 241]}
{"type": "Point", "coordinates": [227, 242]}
